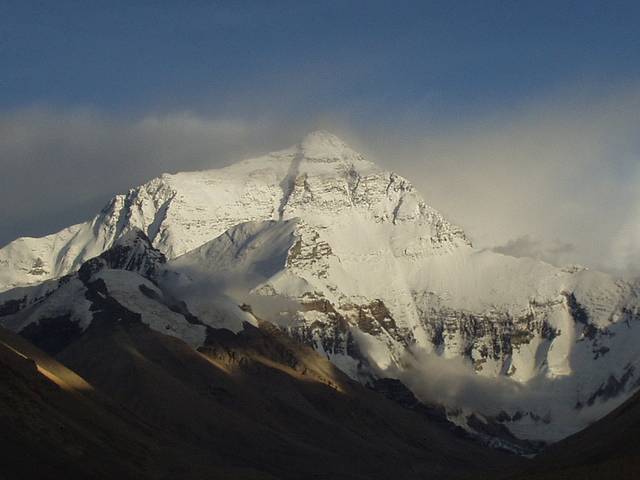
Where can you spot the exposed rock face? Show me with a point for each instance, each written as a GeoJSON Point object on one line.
{"type": "Point", "coordinates": [368, 271]}
{"type": "Point", "coordinates": [132, 252]}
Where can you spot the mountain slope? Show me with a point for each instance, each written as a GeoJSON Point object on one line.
{"type": "Point", "coordinates": [55, 425]}
{"type": "Point", "coordinates": [570, 334]}
{"type": "Point", "coordinates": [252, 404]}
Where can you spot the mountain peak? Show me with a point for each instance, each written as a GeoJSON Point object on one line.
{"type": "Point", "coordinates": [323, 144]}
{"type": "Point", "coordinates": [132, 251]}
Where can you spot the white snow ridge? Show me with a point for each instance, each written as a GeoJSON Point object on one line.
{"type": "Point", "coordinates": [372, 277]}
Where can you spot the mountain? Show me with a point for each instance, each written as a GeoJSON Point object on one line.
{"type": "Point", "coordinates": [56, 425]}
{"type": "Point", "coordinates": [183, 211]}
{"type": "Point", "coordinates": [349, 259]}
{"type": "Point", "coordinates": [123, 400]}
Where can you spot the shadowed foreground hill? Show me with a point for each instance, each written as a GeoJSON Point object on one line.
{"type": "Point", "coordinates": [610, 448]}
{"type": "Point", "coordinates": [55, 425]}
{"type": "Point", "coordinates": [250, 405]}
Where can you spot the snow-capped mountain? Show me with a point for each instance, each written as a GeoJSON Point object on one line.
{"type": "Point", "coordinates": [320, 177]}
{"type": "Point", "coordinates": [351, 260]}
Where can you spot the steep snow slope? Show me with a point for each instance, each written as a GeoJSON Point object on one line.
{"type": "Point", "coordinates": [370, 276]}
{"type": "Point", "coordinates": [320, 177]}
{"type": "Point", "coordinates": [120, 284]}
{"type": "Point", "coordinates": [563, 343]}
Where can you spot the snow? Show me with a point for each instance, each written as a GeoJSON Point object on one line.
{"type": "Point", "coordinates": [124, 286]}
{"type": "Point", "coordinates": [58, 301]}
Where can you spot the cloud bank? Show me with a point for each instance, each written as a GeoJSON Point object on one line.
{"type": "Point", "coordinates": [556, 178]}
{"type": "Point", "coordinates": [61, 166]}
{"type": "Point", "coordinates": [556, 252]}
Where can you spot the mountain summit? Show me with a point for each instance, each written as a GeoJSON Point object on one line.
{"type": "Point", "coordinates": [179, 212]}
{"type": "Point", "coordinates": [322, 144]}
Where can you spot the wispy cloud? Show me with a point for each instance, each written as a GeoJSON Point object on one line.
{"type": "Point", "coordinates": [60, 166]}
{"type": "Point", "coordinates": [454, 383]}
{"type": "Point", "coordinates": [559, 171]}
{"type": "Point", "coordinates": [555, 252]}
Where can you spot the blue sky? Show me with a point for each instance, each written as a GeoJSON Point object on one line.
{"type": "Point", "coordinates": [363, 57]}
{"type": "Point", "coordinates": [520, 120]}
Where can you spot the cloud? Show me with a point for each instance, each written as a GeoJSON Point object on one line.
{"type": "Point", "coordinates": [624, 251]}
{"type": "Point", "coordinates": [61, 166]}
{"type": "Point", "coordinates": [555, 252]}
{"type": "Point", "coordinates": [561, 169]}
{"type": "Point", "coordinates": [453, 382]}
{"type": "Point", "coordinates": [214, 295]}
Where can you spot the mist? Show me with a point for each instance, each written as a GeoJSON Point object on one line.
{"type": "Point", "coordinates": [553, 178]}
{"type": "Point", "coordinates": [217, 294]}
{"type": "Point", "coordinates": [60, 167]}
{"type": "Point", "coordinates": [453, 382]}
